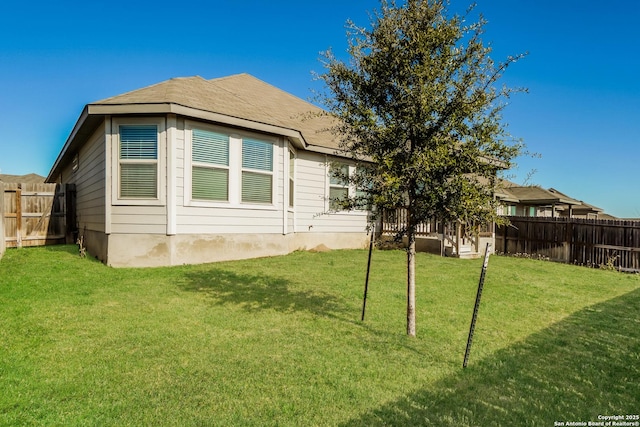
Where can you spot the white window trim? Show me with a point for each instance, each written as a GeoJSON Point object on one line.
{"type": "Point", "coordinates": [235, 168]}
{"type": "Point", "coordinates": [292, 150]}
{"type": "Point", "coordinates": [161, 199]}
{"type": "Point", "coordinates": [189, 164]}
{"type": "Point", "coordinates": [350, 186]}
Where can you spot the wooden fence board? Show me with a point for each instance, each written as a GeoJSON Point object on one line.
{"type": "Point", "coordinates": [36, 214]}
{"type": "Point", "coordinates": [2, 242]}
{"type": "Point", "coordinates": [577, 241]}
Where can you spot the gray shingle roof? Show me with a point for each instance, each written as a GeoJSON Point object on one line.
{"type": "Point", "coordinates": [242, 96]}
{"type": "Point", "coordinates": [239, 100]}
{"type": "Point", "coordinates": [535, 194]}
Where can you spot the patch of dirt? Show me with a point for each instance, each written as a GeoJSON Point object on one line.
{"type": "Point", "coordinates": [320, 248]}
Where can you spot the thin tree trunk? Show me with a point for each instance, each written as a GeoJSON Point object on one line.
{"type": "Point", "coordinates": [411, 250]}
{"type": "Point", "coordinates": [411, 284]}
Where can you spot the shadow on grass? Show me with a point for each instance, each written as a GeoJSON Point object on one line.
{"type": "Point", "coordinates": [584, 366]}
{"type": "Point", "coordinates": [260, 292]}
{"type": "Point", "coordinates": [70, 249]}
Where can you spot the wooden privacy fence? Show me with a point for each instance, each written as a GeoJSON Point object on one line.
{"type": "Point", "coordinates": [37, 214]}
{"type": "Point", "coordinates": [590, 242]}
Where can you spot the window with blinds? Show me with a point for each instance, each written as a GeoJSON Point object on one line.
{"type": "Point", "coordinates": [257, 171]}
{"type": "Point", "coordinates": [210, 165]}
{"type": "Point", "coordinates": [338, 185]}
{"type": "Point", "coordinates": [138, 161]}
{"type": "Point", "coordinates": [292, 163]}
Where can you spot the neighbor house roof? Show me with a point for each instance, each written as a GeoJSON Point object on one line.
{"type": "Point", "coordinates": [531, 194]}
{"type": "Point", "coordinates": [581, 206]}
{"type": "Point", "coordinates": [240, 100]}
{"type": "Point", "coordinates": [534, 195]}
{"type": "Point", "coordinates": [538, 195]}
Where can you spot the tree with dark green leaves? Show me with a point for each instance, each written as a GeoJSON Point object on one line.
{"type": "Point", "coordinates": [419, 112]}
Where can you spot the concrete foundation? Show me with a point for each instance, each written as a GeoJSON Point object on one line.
{"type": "Point", "coordinates": [149, 250]}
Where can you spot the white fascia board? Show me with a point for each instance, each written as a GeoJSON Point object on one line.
{"type": "Point", "coordinates": [65, 147]}
{"type": "Point", "coordinates": [169, 108]}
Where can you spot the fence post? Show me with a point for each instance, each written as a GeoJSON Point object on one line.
{"type": "Point", "coordinates": [19, 216]}
{"type": "Point", "coordinates": [568, 241]}
{"type": "Point", "coordinates": [3, 242]}
{"type": "Point", "coordinates": [69, 206]}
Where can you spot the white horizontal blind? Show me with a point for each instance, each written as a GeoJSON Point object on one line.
{"type": "Point", "coordinates": [257, 186]}
{"type": "Point", "coordinates": [257, 155]}
{"type": "Point", "coordinates": [139, 181]}
{"type": "Point", "coordinates": [210, 183]}
{"type": "Point", "coordinates": [335, 195]}
{"type": "Point", "coordinates": [210, 165]}
{"type": "Point", "coordinates": [139, 161]}
{"type": "Point", "coordinates": [139, 142]}
{"type": "Point", "coordinates": [210, 147]}
{"type": "Point", "coordinates": [338, 174]}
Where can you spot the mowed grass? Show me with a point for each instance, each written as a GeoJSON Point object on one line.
{"type": "Point", "coordinates": [279, 341]}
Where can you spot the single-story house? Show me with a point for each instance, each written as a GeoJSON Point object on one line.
{"type": "Point", "coordinates": [582, 210]}
{"type": "Point", "coordinates": [535, 201]}
{"type": "Point", "coordinates": [192, 170]}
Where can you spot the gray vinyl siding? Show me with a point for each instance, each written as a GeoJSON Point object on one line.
{"type": "Point", "coordinates": [311, 199]}
{"type": "Point", "coordinates": [90, 180]}
{"type": "Point", "coordinates": [204, 220]}
{"type": "Point", "coordinates": [309, 214]}
{"type": "Point", "coordinates": [233, 219]}
{"type": "Point", "coordinates": [138, 219]}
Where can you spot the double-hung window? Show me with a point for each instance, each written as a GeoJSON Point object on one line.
{"type": "Point", "coordinates": [138, 161]}
{"type": "Point", "coordinates": [210, 165]}
{"type": "Point", "coordinates": [338, 185]}
{"type": "Point", "coordinates": [257, 171]}
{"type": "Point", "coordinates": [292, 164]}
{"type": "Point", "coordinates": [228, 168]}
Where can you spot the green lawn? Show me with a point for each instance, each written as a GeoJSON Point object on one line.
{"type": "Point", "coordinates": [278, 341]}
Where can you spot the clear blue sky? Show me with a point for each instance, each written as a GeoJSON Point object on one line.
{"type": "Point", "coordinates": [582, 114]}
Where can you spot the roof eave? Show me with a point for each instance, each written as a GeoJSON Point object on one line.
{"type": "Point", "coordinates": [98, 110]}
{"type": "Point", "coordinates": [79, 124]}
{"type": "Point", "coordinates": [549, 201]}
{"type": "Point", "coordinates": [172, 108]}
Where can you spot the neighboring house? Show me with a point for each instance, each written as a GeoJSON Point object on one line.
{"type": "Point", "coordinates": [534, 201]}
{"type": "Point", "coordinates": [191, 170]}
{"type": "Point", "coordinates": [581, 210]}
